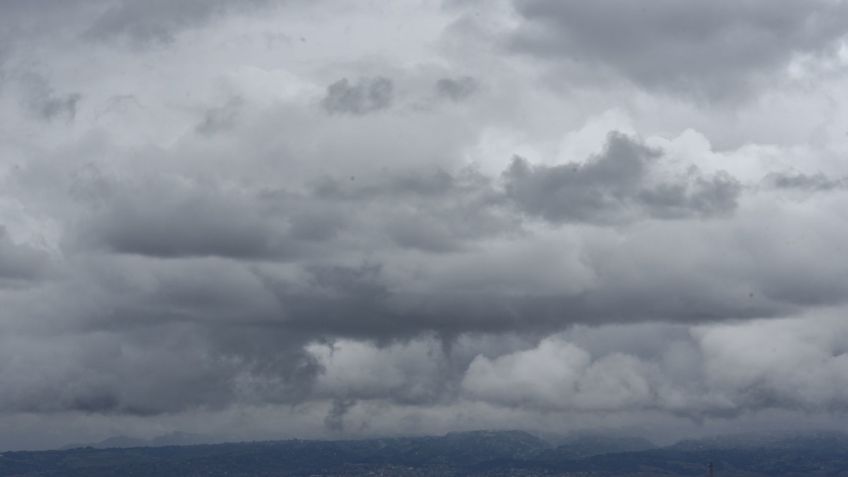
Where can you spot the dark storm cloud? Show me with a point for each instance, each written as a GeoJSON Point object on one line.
{"type": "Point", "coordinates": [372, 256]}
{"type": "Point", "coordinates": [430, 211]}
{"type": "Point", "coordinates": [719, 48]}
{"type": "Point", "coordinates": [390, 215]}
{"type": "Point", "coordinates": [180, 218]}
{"type": "Point", "coordinates": [615, 184]}
{"type": "Point", "coordinates": [433, 211]}
{"type": "Point", "coordinates": [361, 302]}
{"type": "Point", "coordinates": [244, 332]}
{"type": "Point", "coordinates": [191, 226]}
{"type": "Point", "coordinates": [456, 89]}
{"type": "Point", "coordinates": [362, 96]}
{"type": "Point", "coordinates": [192, 334]}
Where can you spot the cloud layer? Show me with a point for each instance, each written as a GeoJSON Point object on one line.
{"type": "Point", "coordinates": [298, 219]}
{"type": "Point", "coordinates": [722, 48]}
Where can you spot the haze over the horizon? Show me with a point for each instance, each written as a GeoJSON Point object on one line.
{"type": "Point", "coordinates": [339, 218]}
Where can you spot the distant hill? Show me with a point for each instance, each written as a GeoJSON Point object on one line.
{"type": "Point", "coordinates": [483, 453]}
{"type": "Point", "coordinates": [587, 445]}
{"type": "Point", "coordinates": [171, 439]}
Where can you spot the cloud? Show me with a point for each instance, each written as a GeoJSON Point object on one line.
{"type": "Point", "coordinates": [396, 254]}
{"type": "Point", "coordinates": [457, 89]}
{"type": "Point", "coordinates": [85, 372]}
{"type": "Point", "coordinates": [409, 372]}
{"type": "Point", "coordinates": [363, 96]}
{"type": "Point", "coordinates": [335, 418]}
{"type": "Point", "coordinates": [213, 232]}
{"type": "Point", "coordinates": [694, 376]}
{"type": "Point", "coordinates": [559, 376]}
{"type": "Point", "coordinates": [185, 224]}
{"type": "Point", "coordinates": [220, 118]}
{"type": "Point", "coordinates": [429, 211]}
{"type": "Point", "coordinates": [44, 103]}
{"type": "Point", "coordinates": [156, 21]}
{"type": "Point", "coordinates": [20, 263]}
{"type": "Point", "coordinates": [806, 182]}
{"type": "Point", "coordinates": [718, 49]}
{"type": "Point", "coordinates": [614, 184]}
{"type": "Point", "coordinates": [682, 371]}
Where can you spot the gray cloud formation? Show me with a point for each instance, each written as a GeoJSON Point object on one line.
{"type": "Point", "coordinates": [807, 182]}
{"type": "Point", "coordinates": [616, 183]}
{"type": "Point", "coordinates": [320, 260]}
{"type": "Point", "coordinates": [720, 48]}
{"type": "Point", "coordinates": [398, 254]}
{"type": "Point", "coordinates": [20, 263]}
{"type": "Point", "coordinates": [457, 89]}
{"type": "Point", "coordinates": [158, 20]}
{"type": "Point", "coordinates": [43, 102]}
{"type": "Point", "coordinates": [185, 226]}
{"type": "Point", "coordinates": [684, 371]}
{"type": "Point", "coordinates": [335, 418]}
{"type": "Point", "coordinates": [248, 283]}
{"type": "Point", "coordinates": [692, 375]}
{"type": "Point", "coordinates": [363, 96]}
{"type": "Point", "coordinates": [151, 21]}
{"type": "Point", "coordinates": [155, 22]}
{"type": "Point", "coordinates": [220, 118]}
{"type": "Point", "coordinates": [431, 211]}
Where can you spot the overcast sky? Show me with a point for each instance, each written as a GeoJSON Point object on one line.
{"type": "Point", "coordinates": [339, 218]}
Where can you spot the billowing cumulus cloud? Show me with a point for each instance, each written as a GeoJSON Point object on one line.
{"type": "Point", "coordinates": [289, 219]}
{"type": "Point", "coordinates": [694, 375]}
{"type": "Point", "coordinates": [682, 371]}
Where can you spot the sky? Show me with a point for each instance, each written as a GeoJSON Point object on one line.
{"type": "Point", "coordinates": [340, 219]}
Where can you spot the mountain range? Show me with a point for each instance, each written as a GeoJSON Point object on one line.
{"type": "Point", "coordinates": [480, 453]}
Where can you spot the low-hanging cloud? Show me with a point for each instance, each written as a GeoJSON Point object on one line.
{"type": "Point", "coordinates": [693, 376]}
